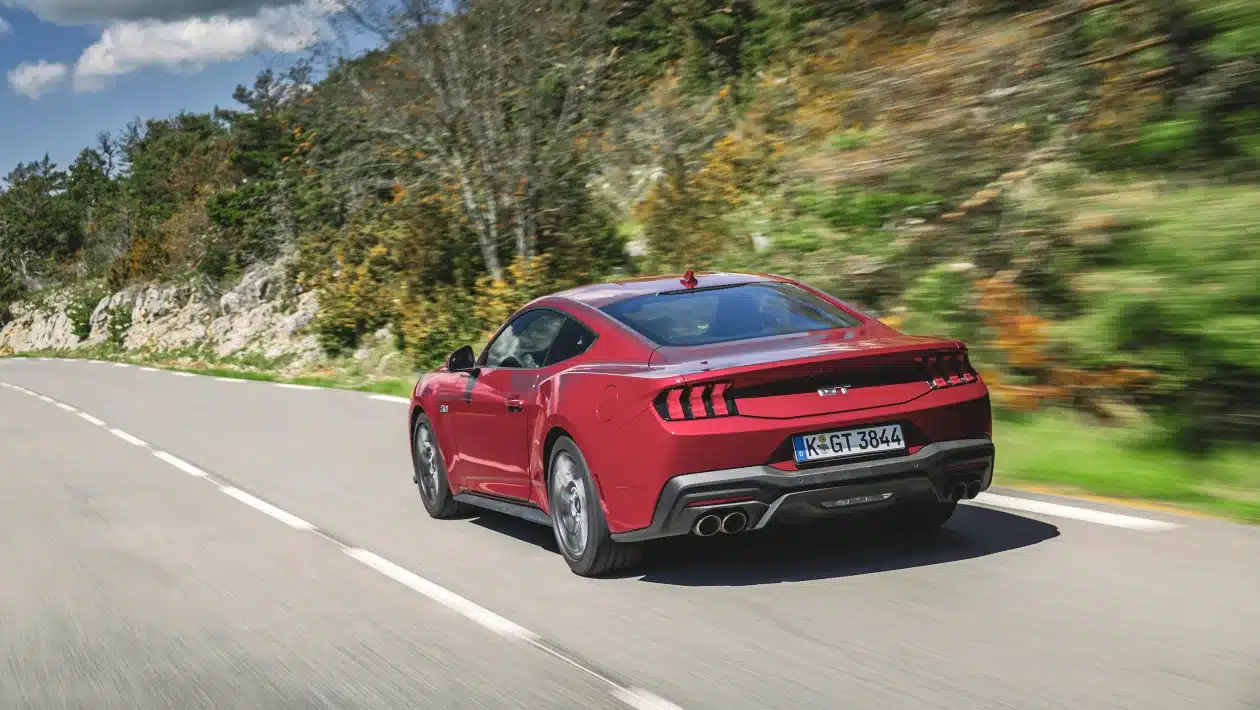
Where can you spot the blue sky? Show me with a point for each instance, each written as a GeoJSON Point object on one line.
{"type": "Point", "coordinates": [70, 69]}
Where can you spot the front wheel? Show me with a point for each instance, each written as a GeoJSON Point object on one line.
{"type": "Point", "coordinates": [577, 517]}
{"type": "Point", "coordinates": [430, 473]}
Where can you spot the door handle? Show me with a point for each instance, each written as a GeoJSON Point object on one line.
{"type": "Point", "coordinates": [515, 405]}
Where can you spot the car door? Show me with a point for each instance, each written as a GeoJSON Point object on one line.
{"type": "Point", "coordinates": [493, 422]}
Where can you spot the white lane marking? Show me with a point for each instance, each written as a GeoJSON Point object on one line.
{"type": "Point", "coordinates": [228, 379]}
{"type": "Point", "coordinates": [1066, 511]}
{"type": "Point", "coordinates": [122, 364]}
{"type": "Point", "coordinates": [390, 398]}
{"type": "Point", "coordinates": [66, 407]}
{"type": "Point", "coordinates": [640, 699]}
{"type": "Point", "coordinates": [263, 506]}
{"type": "Point", "coordinates": [181, 464]}
{"type": "Point", "coordinates": [47, 399]}
{"type": "Point", "coordinates": [90, 419]}
{"type": "Point", "coordinates": [289, 386]}
{"type": "Point", "coordinates": [148, 369]}
{"type": "Point", "coordinates": [473, 612]}
{"type": "Point", "coordinates": [128, 438]}
{"type": "Point", "coordinates": [636, 698]}
{"type": "Point", "coordinates": [182, 374]}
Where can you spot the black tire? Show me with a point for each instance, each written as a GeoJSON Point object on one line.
{"type": "Point", "coordinates": [435, 491]}
{"type": "Point", "coordinates": [920, 517]}
{"type": "Point", "coordinates": [599, 554]}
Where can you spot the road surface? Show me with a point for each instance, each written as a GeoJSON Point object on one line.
{"type": "Point", "coordinates": [190, 542]}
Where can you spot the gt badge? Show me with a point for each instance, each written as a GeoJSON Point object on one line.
{"type": "Point", "coordinates": [443, 409]}
{"type": "Point", "coordinates": [833, 391]}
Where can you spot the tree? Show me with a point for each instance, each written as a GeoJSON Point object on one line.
{"type": "Point", "coordinates": [503, 106]}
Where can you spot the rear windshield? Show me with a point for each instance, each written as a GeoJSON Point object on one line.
{"type": "Point", "coordinates": [725, 314]}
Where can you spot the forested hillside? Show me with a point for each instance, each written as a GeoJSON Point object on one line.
{"type": "Point", "coordinates": [1072, 187]}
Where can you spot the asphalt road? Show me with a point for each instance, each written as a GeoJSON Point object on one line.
{"type": "Point", "coordinates": [187, 542]}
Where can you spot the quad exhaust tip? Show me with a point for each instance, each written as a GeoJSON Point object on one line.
{"type": "Point", "coordinates": [734, 522]}
{"type": "Point", "coordinates": [708, 525]}
{"type": "Point", "coordinates": [711, 524]}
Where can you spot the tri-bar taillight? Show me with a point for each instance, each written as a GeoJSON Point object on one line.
{"type": "Point", "coordinates": [949, 370]}
{"type": "Point", "coordinates": [707, 401]}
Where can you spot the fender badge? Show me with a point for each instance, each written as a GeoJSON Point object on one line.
{"type": "Point", "coordinates": [833, 391]}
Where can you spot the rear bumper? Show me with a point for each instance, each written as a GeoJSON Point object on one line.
{"type": "Point", "coordinates": [766, 494]}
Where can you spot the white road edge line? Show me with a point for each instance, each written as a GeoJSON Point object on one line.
{"type": "Point", "coordinates": [1027, 505]}
{"type": "Point", "coordinates": [266, 508]}
{"type": "Point", "coordinates": [289, 386]}
{"type": "Point", "coordinates": [182, 374]}
{"type": "Point", "coordinates": [477, 614]}
{"type": "Point", "coordinates": [640, 699]}
{"type": "Point", "coordinates": [67, 407]}
{"type": "Point", "coordinates": [148, 369]}
{"type": "Point", "coordinates": [122, 364]}
{"type": "Point", "coordinates": [390, 398]}
{"type": "Point", "coordinates": [90, 419]}
{"type": "Point", "coordinates": [636, 698]}
{"type": "Point", "coordinates": [180, 464]}
{"type": "Point", "coordinates": [129, 438]}
{"type": "Point", "coordinates": [228, 379]}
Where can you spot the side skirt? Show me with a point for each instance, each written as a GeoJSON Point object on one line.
{"type": "Point", "coordinates": [523, 511]}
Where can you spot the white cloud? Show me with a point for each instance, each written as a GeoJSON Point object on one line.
{"type": "Point", "coordinates": [5, 27]}
{"type": "Point", "coordinates": [104, 11]}
{"type": "Point", "coordinates": [33, 79]}
{"type": "Point", "coordinates": [193, 43]}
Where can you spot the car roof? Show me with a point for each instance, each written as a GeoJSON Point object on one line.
{"type": "Point", "coordinates": [602, 294]}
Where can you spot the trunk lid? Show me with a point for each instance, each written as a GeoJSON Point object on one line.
{"type": "Point", "coordinates": [813, 373]}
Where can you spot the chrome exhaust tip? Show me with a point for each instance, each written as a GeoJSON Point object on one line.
{"type": "Point", "coordinates": [973, 489]}
{"type": "Point", "coordinates": [958, 492]}
{"type": "Point", "coordinates": [734, 522]}
{"type": "Point", "coordinates": [708, 525]}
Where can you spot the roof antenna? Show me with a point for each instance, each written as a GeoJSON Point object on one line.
{"type": "Point", "coordinates": [689, 279]}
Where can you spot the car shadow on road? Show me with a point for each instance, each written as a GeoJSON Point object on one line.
{"type": "Point", "coordinates": [794, 553]}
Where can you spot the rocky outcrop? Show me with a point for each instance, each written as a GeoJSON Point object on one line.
{"type": "Point", "coordinates": [253, 317]}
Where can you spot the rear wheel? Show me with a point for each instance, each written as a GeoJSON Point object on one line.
{"type": "Point", "coordinates": [578, 518]}
{"type": "Point", "coordinates": [920, 517]}
{"type": "Point", "coordinates": [430, 473]}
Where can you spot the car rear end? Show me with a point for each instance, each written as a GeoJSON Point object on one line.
{"type": "Point", "coordinates": [746, 432]}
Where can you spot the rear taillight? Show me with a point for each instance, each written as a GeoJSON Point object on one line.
{"type": "Point", "coordinates": [949, 370]}
{"type": "Point", "coordinates": [697, 402]}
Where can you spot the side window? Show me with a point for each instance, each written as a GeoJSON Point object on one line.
{"type": "Point", "coordinates": [525, 342]}
{"type": "Point", "coordinates": [573, 340]}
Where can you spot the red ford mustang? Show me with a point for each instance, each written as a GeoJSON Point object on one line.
{"type": "Point", "coordinates": [717, 403]}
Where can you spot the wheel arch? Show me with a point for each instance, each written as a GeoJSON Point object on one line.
{"type": "Point", "coordinates": [554, 434]}
{"type": "Point", "coordinates": [412, 418]}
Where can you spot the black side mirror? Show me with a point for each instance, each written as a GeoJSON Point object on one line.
{"type": "Point", "coordinates": [462, 360]}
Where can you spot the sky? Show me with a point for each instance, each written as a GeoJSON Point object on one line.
{"type": "Point", "coordinates": [70, 69]}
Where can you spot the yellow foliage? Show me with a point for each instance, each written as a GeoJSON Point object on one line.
{"type": "Point", "coordinates": [452, 316]}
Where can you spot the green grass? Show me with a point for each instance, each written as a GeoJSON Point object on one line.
{"type": "Point", "coordinates": [1059, 450]}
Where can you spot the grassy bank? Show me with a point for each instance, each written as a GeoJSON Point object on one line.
{"type": "Point", "coordinates": [1061, 452]}
{"type": "Point", "coordinates": [1053, 450]}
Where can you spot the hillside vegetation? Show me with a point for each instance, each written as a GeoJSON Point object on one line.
{"type": "Point", "coordinates": [1071, 187]}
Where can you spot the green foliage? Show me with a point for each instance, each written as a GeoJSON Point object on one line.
{"type": "Point", "coordinates": [940, 302]}
{"type": "Point", "coordinates": [82, 305]}
{"type": "Point", "coordinates": [118, 321]}
{"type": "Point", "coordinates": [896, 153]}
{"type": "Point", "coordinates": [863, 209]}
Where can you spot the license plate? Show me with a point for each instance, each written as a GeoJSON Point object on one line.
{"type": "Point", "coordinates": [848, 442]}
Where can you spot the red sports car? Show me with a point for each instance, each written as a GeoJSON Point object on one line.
{"type": "Point", "coordinates": [716, 403]}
